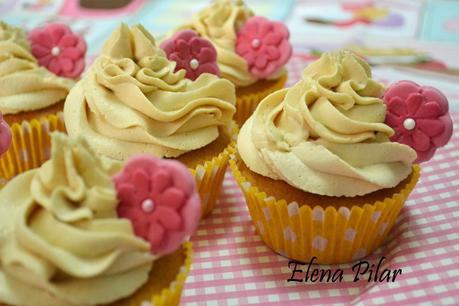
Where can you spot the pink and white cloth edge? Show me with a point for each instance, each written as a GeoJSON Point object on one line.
{"type": "Point", "coordinates": [232, 266]}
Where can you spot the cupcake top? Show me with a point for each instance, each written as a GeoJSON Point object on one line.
{"type": "Point", "coordinates": [131, 100]}
{"type": "Point", "coordinates": [68, 233]}
{"type": "Point", "coordinates": [249, 47]}
{"type": "Point", "coordinates": [24, 85]}
{"type": "Point", "coordinates": [326, 134]}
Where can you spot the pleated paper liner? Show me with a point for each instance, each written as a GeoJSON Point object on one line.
{"type": "Point", "coordinates": [332, 234]}
{"type": "Point", "coordinates": [167, 278]}
{"type": "Point", "coordinates": [30, 146]}
{"type": "Point", "coordinates": [210, 174]}
{"type": "Point", "coordinates": [248, 97]}
{"type": "Point", "coordinates": [165, 284]}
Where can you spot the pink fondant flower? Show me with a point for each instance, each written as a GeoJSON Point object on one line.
{"type": "Point", "coordinates": [193, 53]}
{"type": "Point", "coordinates": [419, 116]}
{"type": "Point", "coordinates": [159, 197]}
{"type": "Point", "coordinates": [58, 49]}
{"type": "Point", "coordinates": [265, 46]}
{"type": "Point", "coordinates": [5, 135]}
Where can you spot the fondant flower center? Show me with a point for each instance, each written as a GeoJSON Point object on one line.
{"type": "Point", "coordinates": [148, 205]}
{"type": "Point", "coordinates": [256, 43]}
{"type": "Point", "coordinates": [409, 124]}
{"type": "Point", "coordinates": [55, 51]}
{"type": "Point", "coordinates": [194, 64]}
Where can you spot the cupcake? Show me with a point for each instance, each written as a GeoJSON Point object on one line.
{"type": "Point", "coordinates": [36, 74]}
{"type": "Point", "coordinates": [83, 231]}
{"type": "Point", "coordinates": [131, 101]}
{"type": "Point", "coordinates": [251, 50]}
{"type": "Point", "coordinates": [37, 71]}
{"type": "Point", "coordinates": [320, 165]}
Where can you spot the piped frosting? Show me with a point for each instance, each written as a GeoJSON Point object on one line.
{"type": "Point", "coordinates": [132, 101]}
{"type": "Point", "coordinates": [326, 135]}
{"type": "Point", "coordinates": [24, 85]}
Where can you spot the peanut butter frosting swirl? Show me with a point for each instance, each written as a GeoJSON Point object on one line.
{"type": "Point", "coordinates": [219, 23]}
{"type": "Point", "coordinates": [326, 135]}
{"type": "Point", "coordinates": [61, 242]}
{"type": "Point", "coordinates": [24, 85]}
{"type": "Point", "coordinates": [131, 101]}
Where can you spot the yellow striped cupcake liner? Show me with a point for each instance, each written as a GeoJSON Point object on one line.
{"type": "Point", "coordinates": [170, 294]}
{"type": "Point", "coordinates": [333, 235]}
{"type": "Point", "coordinates": [248, 98]}
{"type": "Point", "coordinates": [209, 176]}
{"type": "Point", "coordinates": [30, 146]}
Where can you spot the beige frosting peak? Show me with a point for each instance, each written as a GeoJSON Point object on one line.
{"type": "Point", "coordinates": [131, 101]}
{"type": "Point", "coordinates": [61, 242]}
{"type": "Point", "coordinates": [13, 34]}
{"type": "Point", "coordinates": [25, 86]}
{"type": "Point", "coordinates": [219, 23]}
{"type": "Point", "coordinates": [326, 134]}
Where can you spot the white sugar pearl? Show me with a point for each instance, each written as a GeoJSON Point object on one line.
{"type": "Point", "coordinates": [409, 124]}
{"type": "Point", "coordinates": [148, 205]}
{"type": "Point", "coordinates": [256, 43]}
{"type": "Point", "coordinates": [55, 51]}
{"type": "Point", "coordinates": [194, 64]}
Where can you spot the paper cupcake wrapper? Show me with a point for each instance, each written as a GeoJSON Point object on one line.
{"type": "Point", "coordinates": [333, 235]}
{"type": "Point", "coordinates": [247, 102]}
{"type": "Point", "coordinates": [30, 146]}
{"type": "Point", "coordinates": [169, 296]}
{"type": "Point", "coordinates": [209, 176]}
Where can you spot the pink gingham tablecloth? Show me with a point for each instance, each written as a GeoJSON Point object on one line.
{"type": "Point", "coordinates": [232, 266]}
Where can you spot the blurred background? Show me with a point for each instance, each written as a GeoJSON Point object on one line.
{"type": "Point", "coordinates": [402, 39]}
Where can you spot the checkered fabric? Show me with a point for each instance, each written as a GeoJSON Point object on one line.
{"type": "Point", "coordinates": [232, 266]}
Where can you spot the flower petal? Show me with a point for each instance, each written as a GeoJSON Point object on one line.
{"type": "Point", "coordinates": [44, 39]}
{"type": "Point", "coordinates": [39, 50]}
{"type": "Point", "coordinates": [77, 70]}
{"type": "Point", "coordinates": [397, 106]}
{"type": "Point", "coordinates": [45, 60]}
{"type": "Point", "coordinates": [392, 120]}
{"type": "Point", "coordinates": [54, 66]}
{"type": "Point", "coordinates": [155, 233]}
{"type": "Point", "coordinates": [71, 53]}
{"type": "Point", "coordinates": [168, 217]}
{"type": "Point", "coordinates": [429, 110]}
{"type": "Point", "coordinates": [209, 68]}
{"type": "Point", "coordinates": [272, 52]}
{"type": "Point", "coordinates": [160, 181]}
{"type": "Point", "coordinates": [66, 64]}
{"type": "Point", "coordinates": [265, 28]}
{"type": "Point", "coordinates": [172, 197]}
{"type": "Point", "coordinates": [183, 49]}
{"type": "Point", "coordinates": [195, 46]}
{"type": "Point", "coordinates": [261, 61]}
{"type": "Point", "coordinates": [420, 141]}
{"type": "Point", "coordinates": [207, 55]}
{"type": "Point", "coordinates": [405, 138]}
{"type": "Point", "coordinates": [141, 181]}
{"type": "Point", "coordinates": [126, 194]}
{"type": "Point", "coordinates": [413, 103]}
{"type": "Point", "coordinates": [56, 32]}
{"type": "Point", "coordinates": [243, 48]}
{"type": "Point", "coordinates": [272, 39]}
{"type": "Point", "coordinates": [68, 41]}
{"type": "Point", "coordinates": [430, 127]}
